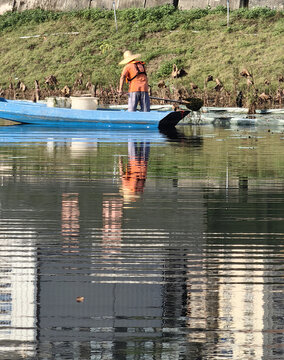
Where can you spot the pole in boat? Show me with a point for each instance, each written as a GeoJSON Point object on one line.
{"type": "Point", "coordinates": [228, 12]}
{"type": "Point", "coordinates": [114, 11]}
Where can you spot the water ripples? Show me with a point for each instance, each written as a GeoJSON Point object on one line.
{"type": "Point", "coordinates": [184, 263]}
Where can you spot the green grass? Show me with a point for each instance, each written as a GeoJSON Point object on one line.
{"type": "Point", "coordinates": [197, 40]}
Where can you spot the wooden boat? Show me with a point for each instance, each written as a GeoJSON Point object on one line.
{"type": "Point", "coordinates": [26, 112]}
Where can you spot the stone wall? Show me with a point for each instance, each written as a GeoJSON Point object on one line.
{"type": "Point", "coordinates": [234, 4]}
{"type": "Point", "coordinates": [191, 4]}
{"type": "Point", "coordinates": [5, 5]}
{"type": "Point", "coordinates": [273, 4]}
{"type": "Point", "coordinates": [65, 5]}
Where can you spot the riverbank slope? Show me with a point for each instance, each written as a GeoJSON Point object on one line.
{"type": "Point", "coordinates": [194, 52]}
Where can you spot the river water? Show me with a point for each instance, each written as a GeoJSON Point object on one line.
{"type": "Point", "coordinates": [124, 245]}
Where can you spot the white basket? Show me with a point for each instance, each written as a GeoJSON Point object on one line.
{"type": "Point", "coordinates": [84, 103]}
{"type": "Point", "coordinates": [61, 102]}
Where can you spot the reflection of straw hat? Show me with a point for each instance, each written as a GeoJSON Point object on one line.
{"type": "Point", "coordinates": [128, 56]}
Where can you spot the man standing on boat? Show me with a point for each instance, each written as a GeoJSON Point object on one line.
{"type": "Point", "coordinates": [134, 74]}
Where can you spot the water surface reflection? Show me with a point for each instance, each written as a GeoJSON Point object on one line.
{"type": "Point", "coordinates": [174, 245]}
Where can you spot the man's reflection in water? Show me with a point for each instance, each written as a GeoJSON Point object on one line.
{"type": "Point", "coordinates": [133, 174]}
{"type": "Point", "coordinates": [133, 177]}
{"type": "Point", "coordinates": [70, 226]}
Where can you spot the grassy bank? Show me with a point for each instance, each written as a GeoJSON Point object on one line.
{"type": "Point", "coordinates": [84, 47]}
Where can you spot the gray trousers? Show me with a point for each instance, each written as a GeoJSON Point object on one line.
{"type": "Point", "coordinates": [141, 97]}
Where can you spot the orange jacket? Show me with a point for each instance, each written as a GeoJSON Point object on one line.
{"type": "Point", "coordinates": [137, 81]}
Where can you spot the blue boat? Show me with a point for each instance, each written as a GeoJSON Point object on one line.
{"type": "Point", "coordinates": [26, 112]}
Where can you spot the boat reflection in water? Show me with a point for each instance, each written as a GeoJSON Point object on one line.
{"type": "Point", "coordinates": [178, 135]}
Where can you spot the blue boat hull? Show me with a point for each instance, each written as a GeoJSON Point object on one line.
{"type": "Point", "coordinates": [25, 112]}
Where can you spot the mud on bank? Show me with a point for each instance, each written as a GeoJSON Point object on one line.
{"type": "Point", "coordinates": [219, 97]}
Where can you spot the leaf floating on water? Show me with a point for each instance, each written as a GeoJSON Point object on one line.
{"type": "Point", "coordinates": [80, 298]}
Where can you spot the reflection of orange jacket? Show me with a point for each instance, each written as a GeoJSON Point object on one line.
{"type": "Point", "coordinates": [134, 176]}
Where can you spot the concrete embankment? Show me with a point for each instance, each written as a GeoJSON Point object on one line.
{"type": "Point", "coordinates": [228, 117]}
{"type": "Point", "coordinates": [67, 5]}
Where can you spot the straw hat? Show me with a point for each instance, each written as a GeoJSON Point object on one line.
{"type": "Point", "coordinates": [128, 56]}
